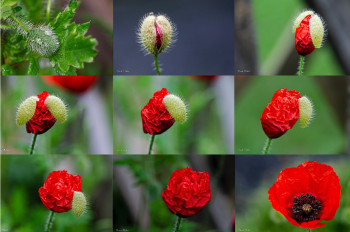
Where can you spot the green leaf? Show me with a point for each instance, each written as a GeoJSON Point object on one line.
{"type": "Point", "coordinates": [5, 9]}
{"type": "Point", "coordinates": [63, 19]}
{"type": "Point", "coordinates": [75, 49]}
{"type": "Point", "coordinates": [6, 70]}
{"type": "Point", "coordinates": [34, 66]}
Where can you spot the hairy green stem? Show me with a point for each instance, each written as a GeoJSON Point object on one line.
{"type": "Point", "coordinates": [308, 230]}
{"type": "Point", "coordinates": [49, 221]}
{"type": "Point", "coordinates": [6, 26]}
{"type": "Point", "coordinates": [33, 144]}
{"type": "Point", "coordinates": [301, 64]}
{"type": "Point", "coordinates": [268, 144]}
{"type": "Point", "coordinates": [48, 11]}
{"type": "Point", "coordinates": [177, 224]}
{"type": "Point", "coordinates": [156, 64]}
{"type": "Point", "coordinates": [151, 144]}
{"type": "Point", "coordinates": [20, 23]}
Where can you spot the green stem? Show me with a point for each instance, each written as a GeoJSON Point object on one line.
{"type": "Point", "coordinates": [49, 221]}
{"type": "Point", "coordinates": [301, 64]}
{"type": "Point", "coordinates": [151, 144]}
{"type": "Point", "coordinates": [48, 11]}
{"type": "Point", "coordinates": [156, 64]}
{"type": "Point", "coordinates": [267, 146]}
{"type": "Point", "coordinates": [308, 230]}
{"type": "Point", "coordinates": [6, 26]}
{"type": "Point", "coordinates": [33, 144]}
{"type": "Point", "coordinates": [20, 23]}
{"type": "Point", "coordinates": [177, 224]}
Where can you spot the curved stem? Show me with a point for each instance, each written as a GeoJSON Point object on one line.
{"type": "Point", "coordinates": [301, 64]}
{"type": "Point", "coordinates": [177, 224]}
{"type": "Point", "coordinates": [156, 64]}
{"type": "Point", "coordinates": [19, 23]}
{"type": "Point", "coordinates": [33, 144]}
{"type": "Point", "coordinates": [268, 144]}
{"type": "Point", "coordinates": [151, 145]}
{"type": "Point", "coordinates": [48, 11]}
{"type": "Point", "coordinates": [49, 221]}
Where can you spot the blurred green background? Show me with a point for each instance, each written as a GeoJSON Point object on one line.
{"type": "Point", "coordinates": [75, 135]}
{"type": "Point", "coordinates": [256, 174]}
{"type": "Point", "coordinates": [22, 176]}
{"type": "Point", "coordinates": [204, 132]}
{"type": "Point", "coordinates": [324, 135]}
{"type": "Point", "coordinates": [140, 180]}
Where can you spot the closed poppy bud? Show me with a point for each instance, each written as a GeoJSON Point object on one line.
{"type": "Point", "coordinates": [187, 192]}
{"type": "Point", "coordinates": [156, 33]}
{"type": "Point", "coordinates": [40, 112]}
{"type": "Point", "coordinates": [306, 195]}
{"type": "Point", "coordinates": [309, 32]}
{"type": "Point", "coordinates": [162, 110]}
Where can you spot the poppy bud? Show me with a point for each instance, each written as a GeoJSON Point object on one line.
{"type": "Point", "coordinates": [309, 31]}
{"type": "Point", "coordinates": [40, 112]}
{"type": "Point", "coordinates": [305, 109]}
{"type": "Point", "coordinates": [43, 41]}
{"type": "Point", "coordinates": [156, 33]}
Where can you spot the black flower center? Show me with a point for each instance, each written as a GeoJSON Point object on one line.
{"type": "Point", "coordinates": [306, 208]}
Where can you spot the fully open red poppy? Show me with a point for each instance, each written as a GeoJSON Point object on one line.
{"type": "Point", "coordinates": [307, 194]}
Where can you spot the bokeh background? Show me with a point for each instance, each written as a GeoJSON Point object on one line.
{"type": "Point", "coordinates": [209, 128]}
{"type": "Point", "coordinates": [326, 132]}
{"type": "Point", "coordinates": [139, 182]}
{"type": "Point", "coordinates": [22, 176]}
{"type": "Point", "coordinates": [204, 43]}
{"type": "Point", "coordinates": [264, 40]}
{"type": "Point", "coordinates": [256, 174]}
{"type": "Point", "coordinates": [98, 13]}
{"type": "Point", "coordinates": [87, 129]}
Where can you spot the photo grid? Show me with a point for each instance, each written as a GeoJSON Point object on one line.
{"type": "Point", "coordinates": [182, 116]}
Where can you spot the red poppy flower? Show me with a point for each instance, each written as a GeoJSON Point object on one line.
{"type": "Point", "coordinates": [42, 120]}
{"type": "Point", "coordinates": [58, 190]}
{"type": "Point", "coordinates": [187, 192]}
{"type": "Point", "coordinates": [281, 113]}
{"type": "Point", "coordinates": [155, 117]}
{"type": "Point", "coordinates": [303, 41]}
{"type": "Point", "coordinates": [307, 194]}
{"type": "Point", "coordinates": [75, 84]}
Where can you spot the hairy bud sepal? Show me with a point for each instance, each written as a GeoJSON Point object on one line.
{"type": "Point", "coordinates": [78, 204]}
{"type": "Point", "coordinates": [57, 108]}
{"type": "Point", "coordinates": [43, 41]}
{"type": "Point", "coordinates": [26, 110]}
{"type": "Point", "coordinates": [176, 108]}
{"type": "Point", "coordinates": [306, 111]}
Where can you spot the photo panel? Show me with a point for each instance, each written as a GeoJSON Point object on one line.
{"type": "Point", "coordinates": [284, 37]}
{"type": "Point", "coordinates": [186, 37]}
{"type": "Point", "coordinates": [46, 37]}
{"type": "Point", "coordinates": [56, 115]}
{"type": "Point", "coordinates": [56, 193]}
{"type": "Point", "coordinates": [291, 115]}
{"type": "Point", "coordinates": [173, 114]}
{"type": "Point", "coordinates": [292, 193]}
{"type": "Point", "coordinates": [165, 193]}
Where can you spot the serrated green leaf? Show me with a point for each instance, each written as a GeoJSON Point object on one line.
{"type": "Point", "coordinates": [8, 3]}
{"type": "Point", "coordinates": [63, 19]}
{"type": "Point", "coordinates": [34, 66]}
{"type": "Point", "coordinates": [75, 49]}
{"type": "Point", "coordinates": [5, 12]}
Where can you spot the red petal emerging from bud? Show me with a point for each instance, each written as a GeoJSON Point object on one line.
{"type": "Point", "coordinates": [303, 41]}
{"type": "Point", "coordinates": [159, 36]}
{"type": "Point", "coordinates": [42, 120]}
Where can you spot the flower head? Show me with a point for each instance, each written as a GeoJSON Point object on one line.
{"type": "Point", "coordinates": [74, 84]}
{"type": "Point", "coordinates": [281, 113]}
{"type": "Point", "coordinates": [40, 112]}
{"type": "Point", "coordinates": [187, 192]}
{"type": "Point", "coordinates": [162, 110]}
{"type": "Point", "coordinates": [309, 31]}
{"type": "Point", "coordinates": [156, 33]}
{"type": "Point", "coordinates": [58, 191]}
{"type": "Point", "coordinates": [307, 194]}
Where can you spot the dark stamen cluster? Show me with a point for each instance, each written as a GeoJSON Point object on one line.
{"type": "Point", "coordinates": [306, 208]}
